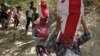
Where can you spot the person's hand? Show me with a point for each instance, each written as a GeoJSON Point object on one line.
{"type": "Point", "coordinates": [68, 41]}
{"type": "Point", "coordinates": [42, 39]}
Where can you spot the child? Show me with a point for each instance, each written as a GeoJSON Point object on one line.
{"type": "Point", "coordinates": [40, 35]}
{"type": "Point", "coordinates": [35, 18]}
{"type": "Point", "coordinates": [17, 15]}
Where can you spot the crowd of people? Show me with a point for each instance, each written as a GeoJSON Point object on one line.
{"type": "Point", "coordinates": [9, 15]}
{"type": "Point", "coordinates": [69, 14]}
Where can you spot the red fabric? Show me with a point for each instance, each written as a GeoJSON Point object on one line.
{"type": "Point", "coordinates": [42, 31]}
{"type": "Point", "coordinates": [62, 1]}
{"type": "Point", "coordinates": [72, 20]}
{"type": "Point", "coordinates": [44, 10]}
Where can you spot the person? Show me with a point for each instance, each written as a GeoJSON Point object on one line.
{"type": "Point", "coordinates": [29, 13]}
{"type": "Point", "coordinates": [17, 15]}
{"type": "Point", "coordinates": [41, 30]}
{"type": "Point", "coordinates": [35, 18]}
{"type": "Point", "coordinates": [40, 35]}
{"type": "Point", "coordinates": [10, 15]}
{"type": "Point", "coordinates": [43, 10]}
{"type": "Point", "coordinates": [43, 15]}
{"type": "Point", "coordinates": [0, 15]}
{"type": "Point", "coordinates": [4, 16]}
{"type": "Point", "coordinates": [69, 16]}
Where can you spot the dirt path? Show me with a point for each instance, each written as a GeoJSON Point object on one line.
{"type": "Point", "coordinates": [16, 43]}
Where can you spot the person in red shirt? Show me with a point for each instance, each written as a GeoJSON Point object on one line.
{"type": "Point", "coordinates": [43, 10]}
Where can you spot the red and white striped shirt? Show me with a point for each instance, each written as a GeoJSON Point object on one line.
{"type": "Point", "coordinates": [70, 12]}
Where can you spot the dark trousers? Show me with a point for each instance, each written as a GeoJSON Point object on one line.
{"type": "Point", "coordinates": [16, 21]}
{"type": "Point", "coordinates": [4, 22]}
{"type": "Point", "coordinates": [28, 22]}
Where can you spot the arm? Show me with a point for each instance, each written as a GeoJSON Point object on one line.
{"type": "Point", "coordinates": [85, 28]}
{"type": "Point", "coordinates": [58, 23]}
{"type": "Point", "coordinates": [27, 13]}
{"type": "Point", "coordinates": [86, 36]}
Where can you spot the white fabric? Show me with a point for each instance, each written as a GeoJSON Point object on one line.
{"type": "Point", "coordinates": [82, 8]}
{"type": "Point", "coordinates": [38, 42]}
{"type": "Point", "coordinates": [58, 36]}
{"type": "Point", "coordinates": [62, 8]}
{"type": "Point", "coordinates": [39, 11]}
{"type": "Point", "coordinates": [63, 12]}
{"type": "Point", "coordinates": [18, 14]}
{"type": "Point", "coordinates": [70, 53]}
{"type": "Point", "coordinates": [30, 12]}
{"type": "Point", "coordinates": [37, 21]}
{"type": "Point", "coordinates": [81, 15]}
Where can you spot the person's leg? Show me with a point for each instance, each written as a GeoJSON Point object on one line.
{"type": "Point", "coordinates": [0, 19]}
{"type": "Point", "coordinates": [17, 22]}
{"type": "Point", "coordinates": [2, 23]}
{"type": "Point", "coordinates": [28, 22]}
{"type": "Point", "coordinates": [6, 24]}
{"type": "Point", "coordinates": [38, 50]}
{"type": "Point", "coordinates": [60, 50]}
